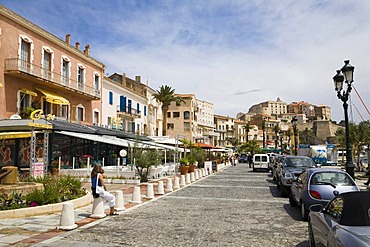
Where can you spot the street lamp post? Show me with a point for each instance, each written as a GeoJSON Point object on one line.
{"type": "Point", "coordinates": [343, 95]}
{"type": "Point", "coordinates": [294, 123]}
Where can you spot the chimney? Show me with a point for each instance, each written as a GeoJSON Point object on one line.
{"type": "Point", "coordinates": [137, 78]}
{"type": "Point", "coordinates": [123, 79]}
{"type": "Point", "coordinates": [68, 39]}
{"type": "Point", "coordinates": [87, 50]}
{"type": "Point", "coordinates": [77, 45]}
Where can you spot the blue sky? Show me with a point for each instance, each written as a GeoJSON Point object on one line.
{"type": "Point", "coordinates": [232, 53]}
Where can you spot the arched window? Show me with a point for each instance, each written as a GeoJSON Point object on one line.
{"type": "Point", "coordinates": [186, 115]}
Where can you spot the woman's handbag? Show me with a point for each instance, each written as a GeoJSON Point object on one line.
{"type": "Point", "coordinates": [99, 189]}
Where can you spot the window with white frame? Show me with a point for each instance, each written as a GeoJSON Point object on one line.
{"type": "Point", "coordinates": [96, 83]}
{"type": "Point", "coordinates": [96, 115]}
{"type": "Point", "coordinates": [47, 62]}
{"type": "Point", "coordinates": [80, 113]}
{"type": "Point", "coordinates": [65, 70]}
{"type": "Point", "coordinates": [81, 77]}
{"type": "Point", "coordinates": [25, 53]}
{"type": "Point", "coordinates": [24, 101]}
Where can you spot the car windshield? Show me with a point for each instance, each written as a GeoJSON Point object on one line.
{"type": "Point", "coordinates": [332, 178]}
{"type": "Point", "coordinates": [299, 162]}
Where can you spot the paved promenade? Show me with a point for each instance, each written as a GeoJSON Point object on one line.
{"type": "Point", "coordinates": [235, 207]}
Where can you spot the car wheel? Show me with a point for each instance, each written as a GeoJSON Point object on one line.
{"type": "Point", "coordinates": [304, 212]}
{"type": "Point", "coordinates": [292, 202]}
{"type": "Point", "coordinates": [311, 240]}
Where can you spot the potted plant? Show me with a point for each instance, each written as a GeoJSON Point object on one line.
{"type": "Point", "coordinates": [192, 160]}
{"type": "Point", "coordinates": [184, 167]}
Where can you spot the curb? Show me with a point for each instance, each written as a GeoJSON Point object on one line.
{"type": "Point", "coordinates": [44, 209]}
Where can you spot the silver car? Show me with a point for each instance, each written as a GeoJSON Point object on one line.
{"type": "Point", "coordinates": [319, 186]}
{"type": "Point", "coordinates": [344, 221]}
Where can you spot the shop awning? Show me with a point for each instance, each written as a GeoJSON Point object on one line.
{"type": "Point", "coordinates": [13, 135]}
{"type": "Point", "coordinates": [97, 138]}
{"type": "Point", "coordinates": [107, 139]}
{"type": "Point", "coordinates": [26, 91]}
{"type": "Point", "coordinates": [53, 98]}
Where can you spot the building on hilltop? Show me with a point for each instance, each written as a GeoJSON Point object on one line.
{"type": "Point", "coordinates": [269, 107]}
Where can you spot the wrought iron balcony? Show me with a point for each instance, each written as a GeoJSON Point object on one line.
{"type": "Point", "coordinates": [21, 67]}
{"type": "Point", "coordinates": [128, 111]}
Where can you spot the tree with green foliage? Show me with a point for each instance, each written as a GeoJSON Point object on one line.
{"type": "Point", "coordinates": [166, 95]}
{"type": "Point", "coordinates": [250, 147]}
{"type": "Point", "coordinates": [247, 129]}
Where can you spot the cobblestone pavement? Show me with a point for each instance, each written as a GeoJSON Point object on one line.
{"type": "Point", "coordinates": [234, 207]}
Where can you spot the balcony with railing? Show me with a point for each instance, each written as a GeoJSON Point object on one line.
{"type": "Point", "coordinates": [21, 68]}
{"type": "Point", "coordinates": [128, 111]}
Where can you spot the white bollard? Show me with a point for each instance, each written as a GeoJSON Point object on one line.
{"type": "Point", "coordinates": [176, 184]}
{"type": "Point", "coordinates": [160, 188]}
{"type": "Point", "coordinates": [98, 208]}
{"type": "Point", "coordinates": [169, 185]}
{"type": "Point", "coordinates": [120, 205]}
{"type": "Point", "coordinates": [196, 175]}
{"type": "Point", "coordinates": [200, 173]}
{"type": "Point", "coordinates": [182, 181]}
{"type": "Point", "coordinates": [136, 195]}
{"type": "Point", "coordinates": [204, 172]}
{"type": "Point", "coordinates": [192, 177]}
{"type": "Point", "coordinates": [187, 179]}
{"type": "Point", "coordinates": [67, 218]}
{"type": "Point", "coordinates": [149, 191]}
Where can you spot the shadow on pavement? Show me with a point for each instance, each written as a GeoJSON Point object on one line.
{"type": "Point", "coordinates": [303, 244]}
{"type": "Point", "coordinates": [293, 212]}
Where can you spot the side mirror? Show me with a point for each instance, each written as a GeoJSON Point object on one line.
{"type": "Point", "coordinates": [316, 208]}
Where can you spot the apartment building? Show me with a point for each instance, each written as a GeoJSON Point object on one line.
{"type": "Point", "coordinates": [155, 117]}
{"type": "Point", "coordinates": [125, 104]}
{"type": "Point", "coordinates": [41, 71]}
{"type": "Point", "coordinates": [269, 107]}
{"type": "Point", "coordinates": [322, 112]}
{"type": "Point", "coordinates": [205, 123]}
{"type": "Point", "coordinates": [182, 118]}
{"type": "Point", "coordinates": [225, 129]}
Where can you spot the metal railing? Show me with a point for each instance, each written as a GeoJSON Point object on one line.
{"type": "Point", "coordinates": [128, 111]}
{"type": "Point", "coordinates": [15, 64]}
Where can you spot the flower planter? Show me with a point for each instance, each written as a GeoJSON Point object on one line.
{"type": "Point", "coordinates": [191, 168]}
{"type": "Point", "coordinates": [184, 170]}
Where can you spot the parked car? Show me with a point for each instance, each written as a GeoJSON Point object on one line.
{"type": "Point", "coordinates": [243, 158]}
{"type": "Point", "coordinates": [344, 221]}
{"type": "Point", "coordinates": [261, 161]}
{"type": "Point", "coordinates": [289, 169]}
{"type": "Point", "coordinates": [319, 186]}
{"type": "Point", "coordinates": [274, 164]}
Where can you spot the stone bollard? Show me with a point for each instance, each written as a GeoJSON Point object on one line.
{"type": "Point", "coordinates": [182, 181]}
{"type": "Point", "coordinates": [192, 177]}
{"type": "Point", "coordinates": [176, 184]}
{"type": "Point", "coordinates": [169, 185]}
{"type": "Point", "coordinates": [136, 195]}
{"type": "Point", "coordinates": [196, 175]}
{"type": "Point", "coordinates": [160, 188]}
{"type": "Point", "coordinates": [204, 172]}
{"type": "Point", "coordinates": [149, 191]}
{"type": "Point", "coordinates": [98, 208]}
{"type": "Point", "coordinates": [187, 179]}
{"type": "Point", "coordinates": [120, 205]}
{"type": "Point", "coordinates": [67, 218]}
{"type": "Point", "coordinates": [200, 173]}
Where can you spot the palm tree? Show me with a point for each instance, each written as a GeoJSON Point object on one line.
{"type": "Point", "coordinates": [247, 128]}
{"type": "Point", "coordinates": [166, 95]}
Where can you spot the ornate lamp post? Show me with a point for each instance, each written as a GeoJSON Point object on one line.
{"type": "Point", "coordinates": [294, 123]}
{"type": "Point", "coordinates": [281, 133]}
{"type": "Point", "coordinates": [343, 95]}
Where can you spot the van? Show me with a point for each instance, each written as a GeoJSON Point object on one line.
{"type": "Point", "coordinates": [261, 161]}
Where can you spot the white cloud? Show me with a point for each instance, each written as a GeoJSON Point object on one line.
{"type": "Point", "coordinates": [217, 50]}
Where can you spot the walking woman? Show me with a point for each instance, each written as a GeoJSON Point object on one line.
{"type": "Point", "coordinates": [97, 179]}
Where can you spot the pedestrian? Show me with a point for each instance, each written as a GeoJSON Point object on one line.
{"type": "Point", "coordinates": [368, 180]}
{"type": "Point", "coordinates": [250, 160]}
{"type": "Point", "coordinates": [97, 179]}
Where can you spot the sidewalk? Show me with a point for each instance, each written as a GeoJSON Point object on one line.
{"type": "Point", "coordinates": [33, 230]}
